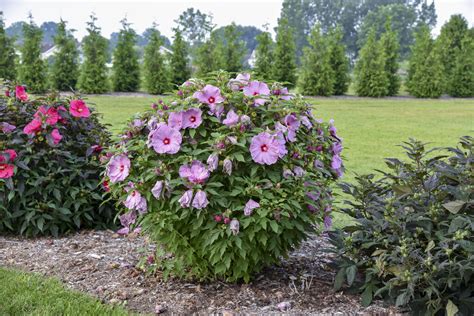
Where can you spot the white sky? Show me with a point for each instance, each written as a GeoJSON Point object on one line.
{"type": "Point", "coordinates": [142, 13]}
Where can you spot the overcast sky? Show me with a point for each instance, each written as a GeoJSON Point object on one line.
{"type": "Point", "coordinates": [143, 13]}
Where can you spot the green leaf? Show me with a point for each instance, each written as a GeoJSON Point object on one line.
{"type": "Point", "coordinates": [351, 273]}
{"type": "Point", "coordinates": [339, 280]}
{"type": "Point", "coordinates": [451, 309]}
{"type": "Point", "coordinates": [367, 296]}
{"type": "Point", "coordinates": [454, 206]}
{"type": "Point", "coordinates": [239, 157]}
{"type": "Point", "coordinates": [274, 226]}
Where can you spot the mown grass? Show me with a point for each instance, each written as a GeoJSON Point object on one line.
{"type": "Point", "coordinates": [31, 294]}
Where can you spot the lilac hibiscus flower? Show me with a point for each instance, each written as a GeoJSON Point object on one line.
{"type": "Point", "coordinates": [282, 94]}
{"type": "Point", "coordinates": [255, 89]}
{"type": "Point", "coordinates": [165, 140]}
{"type": "Point", "coordinates": [209, 95]}
{"type": "Point", "coordinates": [192, 118]}
{"type": "Point", "coordinates": [231, 119]}
{"type": "Point", "coordinates": [7, 127]}
{"type": "Point", "coordinates": [175, 120]}
{"type": "Point", "coordinates": [118, 168]}
{"type": "Point", "coordinates": [212, 162]}
{"type": "Point", "coordinates": [239, 82]}
{"type": "Point", "coordinates": [157, 189]}
{"type": "Point", "coordinates": [196, 173]}
{"type": "Point", "coordinates": [266, 148]}
{"type": "Point", "coordinates": [292, 124]}
{"type": "Point", "coordinates": [250, 206]}
{"type": "Point", "coordinates": [127, 220]}
{"type": "Point", "coordinates": [227, 165]}
{"type": "Point", "coordinates": [234, 226]}
{"type": "Point", "coordinates": [186, 198]}
{"type": "Point", "coordinates": [200, 200]}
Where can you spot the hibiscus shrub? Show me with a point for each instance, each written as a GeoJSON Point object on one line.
{"type": "Point", "coordinates": [49, 166]}
{"type": "Point", "coordinates": [228, 177]}
{"type": "Point", "coordinates": [412, 242]}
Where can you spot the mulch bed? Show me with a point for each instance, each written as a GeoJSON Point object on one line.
{"type": "Point", "coordinates": [102, 264]}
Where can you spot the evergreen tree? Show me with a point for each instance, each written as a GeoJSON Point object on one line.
{"type": "Point", "coordinates": [180, 71]}
{"type": "Point", "coordinates": [264, 56]}
{"type": "Point", "coordinates": [284, 64]}
{"type": "Point", "coordinates": [391, 47]}
{"type": "Point", "coordinates": [33, 68]}
{"type": "Point", "coordinates": [209, 56]}
{"type": "Point", "coordinates": [7, 53]}
{"type": "Point", "coordinates": [64, 72]}
{"type": "Point", "coordinates": [317, 75]}
{"type": "Point", "coordinates": [449, 40]}
{"type": "Point", "coordinates": [93, 77]}
{"type": "Point", "coordinates": [371, 78]}
{"type": "Point", "coordinates": [156, 74]}
{"type": "Point", "coordinates": [234, 49]}
{"type": "Point", "coordinates": [425, 72]}
{"type": "Point", "coordinates": [126, 69]}
{"type": "Point", "coordinates": [461, 81]}
{"type": "Point", "coordinates": [339, 61]}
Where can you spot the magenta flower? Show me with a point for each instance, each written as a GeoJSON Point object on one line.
{"type": "Point", "coordinates": [78, 108]}
{"type": "Point", "coordinates": [196, 173]}
{"type": "Point", "coordinates": [50, 115]}
{"type": "Point", "coordinates": [175, 120]}
{"type": "Point", "coordinates": [32, 127]}
{"type": "Point", "coordinates": [212, 162]}
{"type": "Point", "coordinates": [231, 119]}
{"type": "Point", "coordinates": [118, 168]}
{"type": "Point", "coordinates": [7, 127]}
{"type": "Point", "coordinates": [255, 89]}
{"type": "Point", "coordinates": [185, 199]}
{"type": "Point", "coordinates": [210, 95]}
{"type": "Point", "coordinates": [10, 154]}
{"type": "Point", "coordinates": [20, 93]}
{"type": "Point", "coordinates": [165, 140]}
{"type": "Point", "coordinates": [250, 206]}
{"type": "Point", "coordinates": [200, 200]}
{"type": "Point", "coordinates": [56, 136]}
{"type": "Point", "coordinates": [192, 118]}
{"type": "Point", "coordinates": [266, 148]}
{"type": "Point", "coordinates": [227, 166]}
{"type": "Point", "coordinates": [6, 170]}
{"type": "Point", "coordinates": [234, 226]}
{"type": "Point", "coordinates": [157, 189]}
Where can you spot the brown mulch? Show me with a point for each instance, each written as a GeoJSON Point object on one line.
{"type": "Point", "coordinates": [103, 264]}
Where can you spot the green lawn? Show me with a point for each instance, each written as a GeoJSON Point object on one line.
{"type": "Point", "coordinates": [371, 128]}
{"type": "Point", "coordinates": [31, 294]}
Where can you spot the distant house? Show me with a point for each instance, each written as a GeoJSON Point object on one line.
{"type": "Point", "coordinates": [252, 59]}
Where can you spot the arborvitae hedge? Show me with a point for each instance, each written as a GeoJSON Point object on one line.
{"type": "Point", "coordinates": [156, 74]}
{"type": "Point", "coordinates": [210, 56]}
{"type": "Point", "coordinates": [338, 61]}
{"type": "Point", "coordinates": [180, 70]}
{"type": "Point", "coordinates": [93, 77]}
{"type": "Point", "coordinates": [284, 57]}
{"type": "Point", "coordinates": [264, 56]}
{"type": "Point", "coordinates": [65, 68]}
{"type": "Point", "coordinates": [425, 73]}
{"type": "Point", "coordinates": [126, 69]}
{"type": "Point", "coordinates": [391, 47]}
{"type": "Point", "coordinates": [33, 68]}
{"type": "Point", "coordinates": [7, 53]}
{"type": "Point", "coordinates": [370, 75]}
{"type": "Point", "coordinates": [234, 49]}
{"type": "Point", "coordinates": [461, 80]}
{"type": "Point", "coordinates": [317, 75]}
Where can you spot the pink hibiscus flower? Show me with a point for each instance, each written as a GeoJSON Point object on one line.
{"type": "Point", "coordinates": [196, 173]}
{"type": "Point", "coordinates": [20, 93]}
{"type": "Point", "coordinates": [175, 120]}
{"type": "Point", "coordinates": [11, 155]}
{"type": "Point", "coordinates": [32, 127]}
{"type": "Point", "coordinates": [210, 95]}
{"type": "Point", "coordinates": [255, 89]}
{"type": "Point", "coordinates": [6, 170]}
{"type": "Point", "coordinates": [192, 118]}
{"type": "Point", "coordinates": [165, 140]}
{"type": "Point", "coordinates": [266, 148]}
{"type": "Point", "coordinates": [56, 136]}
{"type": "Point", "coordinates": [118, 168]}
{"type": "Point", "coordinates": [231, 119]}
{"type": "Point", "coordinates": [78, 108]}
{"type": "Point", "coordinates": [50, 115]}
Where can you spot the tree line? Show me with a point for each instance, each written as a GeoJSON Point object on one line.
{"type": "Point", "coordinates": [444, 65]}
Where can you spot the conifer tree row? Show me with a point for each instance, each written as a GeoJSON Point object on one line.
{"type": "Point", "coordinates": [155, 72]}
{"type": "Point", "coordinates": [284, 56]}
{"type": "Point", "coordinates": [180, 70]}
{"type": "Point", "coordinates": [264, 56]}
{"type": "Point", "coordinates": [7, 54]}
